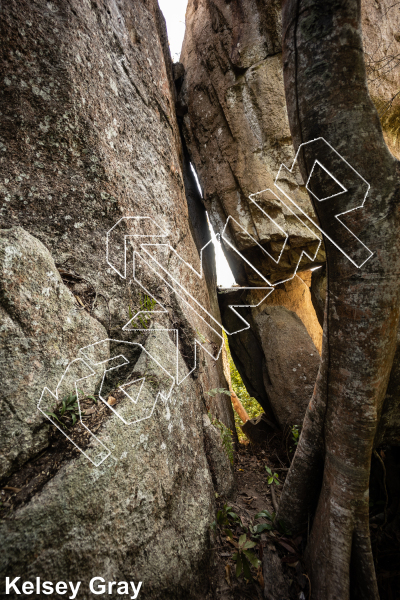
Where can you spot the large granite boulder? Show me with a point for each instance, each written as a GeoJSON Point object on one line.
{"type": "Point", "coordinates": [143, 515]}
{"type": "Point", "coordinates": [236, 126]}
{"type": "Point", "coordinates": [276, 357]}
{"type": "Point", "coordinates": [89, 136]}
{"type": "Point", "coordinates": [237, 131]}
{"type": "Point", "coordinates": [297, 295]}
{"type": "Point", "coordinates": [292, 363]}
{"type": "Point", "coordinates": [42, 330]}
{"type": "Point", "coordinates": [235, 123]}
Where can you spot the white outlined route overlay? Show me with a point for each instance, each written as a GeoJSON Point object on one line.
{"type": "Point", "coordinates": [322, 183]}
{"type": "Point", "coordinates": [152, 256]}
{"type": "Point", "coordinates": [143, 392]}
{"type": "Point", "coordinates": [148, 258]}
{"type": "Point", "coordinates": [95, 362]}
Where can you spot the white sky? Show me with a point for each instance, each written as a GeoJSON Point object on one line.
{"type": "Point", "coordinates": [174, 13]}
{"type": "Point", "coordinates": [224, 274]}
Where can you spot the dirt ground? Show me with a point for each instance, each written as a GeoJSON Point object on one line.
{"type": "Point", "coordinates": [284, 566]}
{"type": "Point", "coordinates": [252, 496]}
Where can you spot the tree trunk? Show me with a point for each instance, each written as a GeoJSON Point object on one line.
{"type": "Point", "coordinates": [327, 485]}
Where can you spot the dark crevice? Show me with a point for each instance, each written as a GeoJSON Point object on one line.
{"type": "Point", "coordinates": [31, 477]}
{"type": "Point", "coordinates": [198, 218]}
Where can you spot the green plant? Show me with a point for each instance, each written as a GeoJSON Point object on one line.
{"type": "Point", "coordinates": [226, 436]}
{"type": "Point", "coordinates": [147, 305]}
{"type": "Point", "coordinates": [68, 407]}
{"type": "Point", "coordinates": [244, 557]}
{"type": "Point", "coordinates": [256, 530]}
{"type": "Point", "coordinates": [250, 404]}
{"type": "Point", "coordinates": [225, 519]}
{"type": "Point", "coordinates": [279, 524]}
{"type": "Point", "coordinates": [91, 398]}
{"type": "Point", "coordinates": [295, 434]}
{"type": "Point", "coordinates": [225, 515]}
{"type": "Point", "coordinates": [272, 477]}
{"type": "Point", "coordinates": [216, 391]}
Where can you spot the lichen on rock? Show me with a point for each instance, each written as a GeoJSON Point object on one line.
{"type": "Point", "coordinates": [89, 135]}
{"type": "Point", "coordinates": [41, 332]}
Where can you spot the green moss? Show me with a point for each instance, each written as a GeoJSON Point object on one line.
{"type": "Point", "coordinates": [253, 408]}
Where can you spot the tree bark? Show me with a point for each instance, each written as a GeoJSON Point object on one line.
{"type": "Point", "coordinates": [327, 485]}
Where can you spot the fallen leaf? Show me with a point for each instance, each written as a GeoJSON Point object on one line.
{"type": "Point", "coordinates": [287, 547]}
{"type": "Point", "coordinates": [111, 401]}
{"type": "Point", "coordinates": [12, 489]}
{"type": "Point", "coordinates": [80, 301]}
{"type": "Point", "coordinates": [228, 574]}
{"type": "Point", "coordinates": [232, 542]}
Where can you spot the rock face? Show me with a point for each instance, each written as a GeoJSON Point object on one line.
{"type": "Point", "coordinates": [89, 136]}
{"type": "Point", "coordinates": [381, 29]}
{"type": "Point", "coordinates": [292, 361]}
{"type": "Point", "coordinates": [296, 295]}
{"type": "Point", "coordinates": [275, 583]}
{"type": "Point", "coordinates": [237, 130]}
{"type": "Point", "coordinates": [218, 459]}
{"type": "Point", "coordinates": [275, 357]}
{"type": "Point", "coordinates": [155, 492]}
{"type": "Point", "coordinates": [41, 332]}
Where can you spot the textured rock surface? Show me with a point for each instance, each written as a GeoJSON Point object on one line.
{"type": "Point", "coordinates": [89, 135]}
{"type": "Point", "coordinates": [292, 362]}
{"type": "Point", "coordinates": [41, 332]}
{"type": "Point", "coordinates": [237, 133]}
{"type": "Point", "coordinates": [236, 124]}
{"type": "Point", "coordinates": [275, 584]}
{"type": "Point", "coordinates": [296, 295]}
{"type": "Point", "coordinates": [381, 30]}
{"type": "Point", "coordinates": [218, 459]}
{"type": "Point", "coordinates": [257, 429]}
{"type": "Point", "coordinates": [237, 130]}
{"type": "Point", "coordinates": [276, 357]}
{"type": "Point", "coordinates": [145, 512]}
